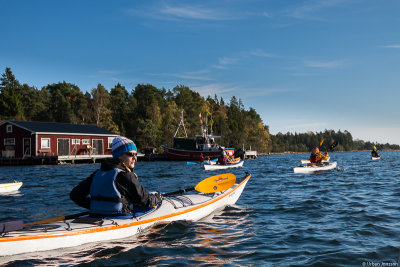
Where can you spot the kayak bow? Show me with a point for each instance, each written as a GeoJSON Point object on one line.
{"type": "Point", "coordinates": [9, 187]}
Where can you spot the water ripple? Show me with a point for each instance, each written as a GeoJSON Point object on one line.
{"type": "Point", "coordinates": [343, 217]}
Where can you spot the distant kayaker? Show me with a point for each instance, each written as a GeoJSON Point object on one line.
{"type": "Point", "coordinates": [315, 156]}
{"type": "Point", "coordinates": [222, 158]}
{"type": "Point", "coordinates": [114, 189]}
{"type": "Point", "coordinates": [374, 152]}
{"type": "Point", "coordinates": [201, 157]}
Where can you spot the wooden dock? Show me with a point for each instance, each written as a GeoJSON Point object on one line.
{"type": "Point", "coordinates": [250, 154]}
{"type": "Point", "coordinates": [53, 160]}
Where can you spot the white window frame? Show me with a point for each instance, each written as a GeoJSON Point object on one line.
{"type": "Point", "coordinates": [76, 141]}
{"type": "Point", "coordinates": [9, 141]}
{"type": "Point", "coordinates": [9, 128]}
{"type": "Point", "coordinates": [85, 142]}
{"type": "Point", "coordinates": [41, 143]}
{"type": "Point", "coordinates": [110, 139]}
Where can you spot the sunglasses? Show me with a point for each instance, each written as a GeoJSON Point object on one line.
{"type": "Point", "coordinates": [131, 154]}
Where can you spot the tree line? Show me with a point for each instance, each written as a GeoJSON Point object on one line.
{"type": "Point", "coordinates": [150, 116]}
{"type": "Point", "coordinates": [146, 114]}
{"type": "Point", "coordinates": [305, 142]}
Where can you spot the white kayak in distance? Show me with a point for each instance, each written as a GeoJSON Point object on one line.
{"type": "Point", "coordinates": [213, 161]}
{"type": "Point", "coordinates": [306, 161]}
{"type": "Point", "coordinates": [10, 187]}
{"type": "Point", "coordinates": [217, 192]}
{"type": "Point", "coordinates": [375, 158]}
{"type": "Point", "coordinates": [211, 167]}
{"type": "Point", "coordinates": [306, 168]}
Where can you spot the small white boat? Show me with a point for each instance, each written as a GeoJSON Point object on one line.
{"type": "Point", "coordinates": [75, 230]}
{"type": "Point", "coordinates": [211, 167]}
{"type": "Point", "coordinates": [306, 168]}
{"type": "Point", "coordinates": [9, 187]}
{"type": "Point", "coordinates": [375, 158]}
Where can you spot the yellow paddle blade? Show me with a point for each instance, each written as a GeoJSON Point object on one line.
{"type": "Point", "coordinates": [216, 183]}
{"type": "Point", "coordinates": [320, 144]}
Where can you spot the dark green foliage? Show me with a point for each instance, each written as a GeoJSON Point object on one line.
{"type": "Point", "coordinates": [305, 142]}
{"type": "Point", "coordinates": [11, 105]}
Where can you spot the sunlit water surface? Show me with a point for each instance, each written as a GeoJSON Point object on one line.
{"type": "Point", "coordinates": [345, 217]}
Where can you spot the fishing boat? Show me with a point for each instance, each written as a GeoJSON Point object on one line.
{"type": "Point", "coordinates": [309, 168]}
{"type": "Point", "coordinates": [214, 194]}
{"type": "Point", "coordinates": [10, 187]}
{"type": "Point", "coordinates": [211, 167]}
{"type": "Point", "coordinates": [190, 149]}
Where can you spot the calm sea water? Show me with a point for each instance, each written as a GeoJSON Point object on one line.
{"type": "Point", "coordinates": [346, 217]}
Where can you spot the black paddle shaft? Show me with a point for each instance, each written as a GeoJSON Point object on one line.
{"type": "Point", "coordinates": [333, 146]}
{"type": "Point", "coordinates": [179, 192]}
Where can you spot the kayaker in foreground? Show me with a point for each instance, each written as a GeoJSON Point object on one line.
{"type": "Point", "coordinates": [114, 189]}
{"type": "Point", "coordinates": [375, 153]}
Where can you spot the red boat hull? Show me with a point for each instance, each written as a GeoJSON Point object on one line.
{"type": "Point", "coordinates": [194, 155]}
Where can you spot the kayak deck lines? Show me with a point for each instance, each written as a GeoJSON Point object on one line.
{"type": "Point", "coordinates": [180, 199]}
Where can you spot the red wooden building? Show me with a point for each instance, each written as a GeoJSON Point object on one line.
{"type": "Point", "coordinates": [28, 139]}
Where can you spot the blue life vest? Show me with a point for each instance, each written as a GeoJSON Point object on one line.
{"type": "Point", "coordinates": [105, 197]}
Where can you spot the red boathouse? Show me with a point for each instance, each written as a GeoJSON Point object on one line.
{"type": "Point", "coordinates": [59, 141]}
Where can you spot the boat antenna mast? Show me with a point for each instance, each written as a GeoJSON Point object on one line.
{"type": "Point", "coordinates": [211, 123]}
{"type": "Point", "coordinates": [181, 123]}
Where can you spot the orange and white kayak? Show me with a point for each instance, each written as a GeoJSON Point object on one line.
{"type": "Point", "coordinates": [9, 187]}
{"type": "Point", "coordinates": [41, 236]}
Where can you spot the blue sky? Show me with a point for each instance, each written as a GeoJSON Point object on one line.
{"type": "Point", "coordinates": [303, 65]}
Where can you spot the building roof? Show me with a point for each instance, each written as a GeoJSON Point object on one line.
{"type": "Point", "coordinates": [58, 127]}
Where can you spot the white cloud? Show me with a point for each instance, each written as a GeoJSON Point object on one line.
{"type": "Point", "coordinates": [323, 64]}
{"type": "Point", "coordinates": [392, 46]}
{"type": "Point", "coordinates": [179, 12]}
{"type": "Point", "coordinates": [381, 135]}
{"type": "Point", "coordinates": [197, 75]}
{"type": "Point", "coordinates": [311, 8]}
{"type": "Point", "coordinates": [262, 92]}
{"type": "Point", "coordinates": [260, 53]}
{"type": "Point", "coordinates": [219, 89]}
{"type": "Point", "coordinates": [192, 12]}
{"type": "Point", "coordinates": [266, 14]}
{"type": "Point", "coordinates": [223, 62]}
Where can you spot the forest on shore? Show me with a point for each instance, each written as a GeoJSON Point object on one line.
{"type": "Point", "coordinates": [150, 115]}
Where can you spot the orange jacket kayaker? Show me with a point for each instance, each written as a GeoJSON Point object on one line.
{"type": "Point", "coordinates": [316, 156]}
